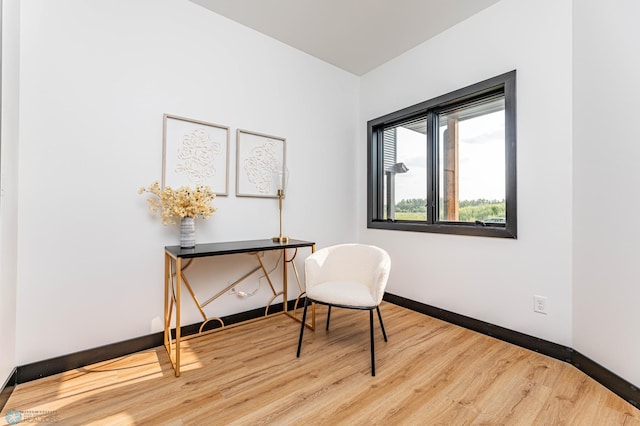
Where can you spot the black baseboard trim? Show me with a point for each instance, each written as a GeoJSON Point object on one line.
{"type": "Point", "coordinates": [605, 377]}
{"type": "Point", "coordinates": [545, 347]}
{"type": "Point", "coordinates": [49, 367]}
{"type": "Point", "coordinates": [7, 388]}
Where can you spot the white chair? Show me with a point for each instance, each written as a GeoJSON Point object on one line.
{"type": "Point", "coordinates": [350, 276]}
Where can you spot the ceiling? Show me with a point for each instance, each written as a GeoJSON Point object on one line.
{"type": "Point", "coordinates": [355, 35]}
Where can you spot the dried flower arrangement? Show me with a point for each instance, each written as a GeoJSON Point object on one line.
{"type": "Point", "coordinates": [180, 203]}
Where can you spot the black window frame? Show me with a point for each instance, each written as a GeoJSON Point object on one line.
{"type": "Point", "coordinates": [504, 83]}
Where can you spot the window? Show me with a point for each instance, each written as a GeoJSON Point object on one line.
{"type": "Point", "coordinates": [447, 165]}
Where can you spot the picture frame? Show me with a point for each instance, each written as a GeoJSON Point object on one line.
{"type": "Point", "coordinates": [195, 153]}
{"type": "Point", "coordinates": [258, 158]}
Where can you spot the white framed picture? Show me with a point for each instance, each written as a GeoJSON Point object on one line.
{"type": "Point", "coordinates": [260, 160]}
{"type": "Point", "coordinates": [195, 153]}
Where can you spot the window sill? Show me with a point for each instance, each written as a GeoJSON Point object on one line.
{"type": "Point", "coordinates": [445, 228]}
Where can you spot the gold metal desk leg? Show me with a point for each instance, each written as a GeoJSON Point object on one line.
{"type": "Point", "coordinates": [167, 326]}
{"type": "Point", "coordinates": [171, 297]}
{"type": "Point", "coordinates": [178, 286]}
{"type": "Point", "coordinates": [285, 277]}
{"type": "Point", "coordinates": [285, 300]}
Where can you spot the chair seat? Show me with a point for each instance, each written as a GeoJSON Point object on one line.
{"type": "Point", "coordinates": [342, 293]}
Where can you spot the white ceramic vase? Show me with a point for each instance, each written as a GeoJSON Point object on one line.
{"type": "Point", "coordinates": [187, 232]}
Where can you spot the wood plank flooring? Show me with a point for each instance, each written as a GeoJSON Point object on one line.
{"type": "Point", "coordinates": [428, 373]}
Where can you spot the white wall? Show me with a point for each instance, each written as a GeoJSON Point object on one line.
{"type": "Point", "coordinates": [492, 279]}
{"type": "Point", "coordinates": [606, 152]}
{"type": "Point", "coordinates": [96, 78]}
{"type": "Point", "coordinates": [9, 187]}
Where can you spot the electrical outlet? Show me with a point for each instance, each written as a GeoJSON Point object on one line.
{"type": "Point", "coordinates": [540, 304]}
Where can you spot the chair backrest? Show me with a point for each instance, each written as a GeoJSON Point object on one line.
{"type": "Point", "coordinates": [366, 264]}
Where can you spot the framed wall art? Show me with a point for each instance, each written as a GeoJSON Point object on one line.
{"type": "Point", "coordinates": [259, 159]}
{"type": "Point", "coordinates": [195, 153]}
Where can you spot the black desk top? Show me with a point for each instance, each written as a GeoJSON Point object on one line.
{"type": "Point", "coordinates": [233, 247]}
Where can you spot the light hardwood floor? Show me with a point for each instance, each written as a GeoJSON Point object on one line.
{"type": "Point", "coordinates": [428, 373]}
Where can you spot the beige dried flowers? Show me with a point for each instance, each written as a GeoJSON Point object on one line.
{"type": "Point", "coordinates": [181, 202]}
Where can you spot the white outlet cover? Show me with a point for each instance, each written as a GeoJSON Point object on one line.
{"type": "Point", "coordinates": [540, 304]}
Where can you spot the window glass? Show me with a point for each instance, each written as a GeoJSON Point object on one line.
{"type": "Point", "coordinates": [472, 157]}
{"type": "Point", "coordinates": [405, 179]}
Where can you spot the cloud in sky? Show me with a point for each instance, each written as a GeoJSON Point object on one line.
{"type": "Point", "coordinates": [481, 159]}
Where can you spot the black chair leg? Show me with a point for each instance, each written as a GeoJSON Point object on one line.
{"type": "Point", "coordinates": [304, 320]}
{"type": "Point", "coordinates": [373, 358]}
{"type": "Point", "coordinates": [381, 324]}
{"type": "Point", "coordinates": [328, 316]}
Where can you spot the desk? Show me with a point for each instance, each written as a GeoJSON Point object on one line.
{"type": "Point", "coordinates": [174, 267]}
